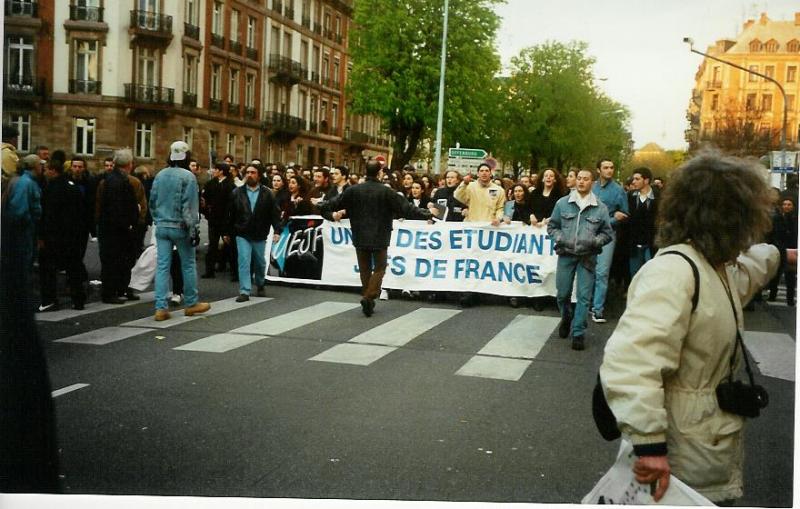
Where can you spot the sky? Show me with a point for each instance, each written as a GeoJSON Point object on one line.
{"type": "Point", "coordinates": [642, 61]}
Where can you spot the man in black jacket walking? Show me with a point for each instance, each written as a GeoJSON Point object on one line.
{"type": "Point", "coordinates": [215, 204]}
{"type": "Point", "coordinates": [253, 211]}
{"type": "Point", "coordinates": [371, 207]}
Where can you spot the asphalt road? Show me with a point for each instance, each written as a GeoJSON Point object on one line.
{"type": "Point", "coordinates": [302, 408]}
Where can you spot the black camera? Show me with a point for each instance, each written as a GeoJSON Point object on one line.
{"type": "Point", "coordinates": [195, 239]}
{"type": "Point", "coordinates": [738, 398]}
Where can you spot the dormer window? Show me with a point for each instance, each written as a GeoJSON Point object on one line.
{"type": "Point", "coordinates": [771, 46]}
{"type": "Point", "coordinates": [793, 46]}
{"type": "Point", "coordinates": [755, 45]}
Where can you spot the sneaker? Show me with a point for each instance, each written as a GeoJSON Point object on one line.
{"type": "Point", "coordinates": [43, 308]}
{"type": "Point", "coordinates": [384, 295]}
{"type": "Point", "coordinates": [161, 315]}
{"type": "Point", "coordinates": [563, 326]}
{"type": "Point", "coordinates": [196, 309]}
{"type": "Point", "coordinates": [176, 300]}
{"type": "Point", "coordinates": [243, 298]}
{"type": "Point", "coordinates": [367, 307]}
{"type": "Point", "coordinates": [577, 343]}
{"type": "Point", "coordinates": [597, 317]}
{"type": "Point", "coordinates": [260, 292]}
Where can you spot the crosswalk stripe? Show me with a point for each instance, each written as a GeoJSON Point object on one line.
{"type": "Point", "coordinates": [242, 336]}
{"type": "Point", "coordinates": [67, 389]}
{"type": "Point", "coordinates": [178, 318]}
{"type": "Point", "coordinates": [774, 353]}
{"type": "Point", "coordinates": [92, 307]}
{"type": "Point", "coordinates": [296, 319]}
{"type": "Point", "coordinates": [103, 336]}
{"type": "Point", "coordinates": [380, 341]}
{"type": "Point", "coordinates": [508, 354]}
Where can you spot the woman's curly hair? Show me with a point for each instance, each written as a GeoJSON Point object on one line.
{"type": "Point", "coordinates": [720, 204]}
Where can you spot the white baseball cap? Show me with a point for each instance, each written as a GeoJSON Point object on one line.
{"type": "Point", "coordinates": [177, 151]}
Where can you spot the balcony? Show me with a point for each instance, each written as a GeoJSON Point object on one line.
{"type": "Point", "coordinates": [286, 70]}
{"type": "Point", "coordinates": [311, 77]}
{"type": "Point", "coordinates": [235, 47]}
{"type": "Point", "coordinates": [215, 105]}
{"type": "Point", "coordinates": [712, 85]}
{"type": "Point", "coordinates": [356, 139]}
{"type": "Point", "coordinates": [85, 13]}
{"type": "Point", "coordinates": [21, 8]}
{"type": "Point", "coordinates": [233, 109]}
{"type": "Point", "coordinates": [336, 84]}
{"type": "Point", "coordinates": [85, 87]}
{"type": "Point", "coordinates": [146, 96]}
{"type": "Point", "coordinates": [25, 89]}
{"type": "Point", "coordinates": [218, 41]}
{"type": "Point", "coordinates": [318, 28]}
{"type": "Point", "coordinates": [252, 53]}
{"type": "Point", "coordinates": [191, 31]}
{"type": "Point", "coordinates": [190, 99]}
{"type": "Point", "coordinates": [151, 26]}
{"type": "Point", "coordinates": [288, 12]}
{"type": "Point", "coordinates": [326, 82]}
{"type": "Point", "coordinates": [313, 127]}
{"type": "Point", "coordinates": [249, 112]}
{"type": "Point", "coordinates": [282, 125]}
{"type": "Point", "coordinates": [306, 22]}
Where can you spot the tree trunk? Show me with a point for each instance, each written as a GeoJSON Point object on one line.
{"type": "Point", "coordinates": [406, 142]}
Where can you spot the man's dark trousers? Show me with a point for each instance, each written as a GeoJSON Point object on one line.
{"type": "Point", "coordinates": [371, 268]}
{"type": "Point", "coordinates": [51, 258]}
{"type": "Point", "coordinates": [117, 258]}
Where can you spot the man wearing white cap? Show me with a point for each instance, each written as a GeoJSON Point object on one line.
{"type": "Point", "coordinates": [174, 204]}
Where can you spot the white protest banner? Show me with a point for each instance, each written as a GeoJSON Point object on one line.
{"type": "Point", "coordinates": [509, 260]}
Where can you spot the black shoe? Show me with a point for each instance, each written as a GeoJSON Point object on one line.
{"type": "Point", "coordinates": [243, 298]}
{"type": "Point", "coordinates": [260, 292]}
{"type": "Point", "coordinates": [113, 300]}
{"type": "Point", "coordinates": [44, 308]}
{"type": "Point", "coordinates": [78, 305]}
{"type": "Point", "coordinates": [598, 317]}
{"type": "Point", "coordinates": [367, 307]}
{"type": "Point", "coordinates": [207, 276]}
{"type": "Point", "coordinates": [130, 295]}
{"type": "Point", "coordinates": [563, 327]}
{"type": "Point", "coordinates": [467, 301]}
{"type": "Point", "coordinates": [513, 302]}
{"type": "Point", "coordinates": [577, 343]}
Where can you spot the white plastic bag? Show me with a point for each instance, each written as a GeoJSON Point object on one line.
{"type": "Point", "coordinates": [144, 271]}
{"type": "Point", "coordinates": [619, 486]}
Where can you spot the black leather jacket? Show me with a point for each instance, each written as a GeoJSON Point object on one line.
{"type": "Point", "coordinates": [255, 224]}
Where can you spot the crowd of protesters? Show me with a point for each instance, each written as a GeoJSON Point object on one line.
{"type": "Point", "coordinates": [65, 206]}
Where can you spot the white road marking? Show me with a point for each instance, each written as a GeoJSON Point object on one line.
{"type": "Point", "coordinates": [509, 353]}
{"type": "Point", "coordinates": [91, 307]}
{"type": "Point", "coordinates": [380, 341]}
{"type": "Point", "coordinates": [220, 343]}
{"type": "Point", "coordinates": [296, 319]}
{"type": "Point", "coordinates": [178, 318]}
{"type": "Point", "coordinates": [69, 388]}
{"type": "Point", "coordinates": [774, 353]}
{"type": "Point", "coordinates": [103, 336]}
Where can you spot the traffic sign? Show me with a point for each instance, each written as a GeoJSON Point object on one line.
{"type": "Point", "coordinates": [467, 153]}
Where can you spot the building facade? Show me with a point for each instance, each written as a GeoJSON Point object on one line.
{"type": "Point", "coordinates": [250, 78]}
{"type": "Point", "coordinates": [729, 101]}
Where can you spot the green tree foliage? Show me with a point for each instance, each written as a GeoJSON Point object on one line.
{"type": "Point", "coordinates": [396, 48]}
{"type": "Point", "coordinates": [553, 115]}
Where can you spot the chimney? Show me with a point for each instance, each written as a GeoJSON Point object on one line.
{"type": "Point", "coordinates": [763, 19]}
{"type": "Point", "coordinates": [748, 24]}
{"type": "Point", "coordinates": [797, 19]}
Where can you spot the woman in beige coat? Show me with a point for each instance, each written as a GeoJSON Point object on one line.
{"type": "Point", "coordinates": [663, 362]}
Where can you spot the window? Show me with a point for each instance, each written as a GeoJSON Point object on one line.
{"type": "Point", "coordinates": [299, 155]}
{"type": "Point", "coordinates": [188, 136]}
{"type": "Point", "coordinates": [752, 77]}
{"type": "Point", "coordinates": [717, 76]}
{"type": "Point", "coordinates": [251, 32]}
{"type": "Point", "coordinates": [323, 113]}
{"type": "Point", "coordinates": [20, 8]}
{"type": "Point", "coordinates": [303, 105]}
{"type": "Point", "coordinates": [147, 67]}
{"type": "Point", "coordinates": [20, 62]}
{"type": "Point", "coordinates": [755, 45]}
{"type": "Point", "coordinates": [287, 44]}
{"type": "Point", "coordinates": [714, 102]}
{"type": "Point", "coordinates": [304, 54]}
{"type": "Point", "coordinates": [193, 12]}
{"type": "Point", "coordinates": [336, 66]}
{"type": "Point", "coordinates": [216, 19]}
{"type": "Point", "coordinates": [338, 26]}
{"type": "Point", "coordinates": [791, 74]}
{"type": "Point", "coordinates": [233, 92]}
{"type": "Point", "coordinates": [235, 25]}
{"type": "Point", "coordinates": [313, 112]}
{"type": "Point", "coordinates": [213, 141]}
{"type": "Point", "coordinates": [23, 125]}
{"type": "Point", "coordinates": [326, 67]}
{"type": "Point", "coordinates": [789, 102]}
{"type": "Point", "coordinates": [766, 102]}
{"type": "Point", "coordinates": [231, 145]}
{"type": "Point", "coordinates": [793, 46]}
{"type": "Point", "coordinates": [248, 148]}
{"type": "Point", "coordinates": [216, 80]}
{"type": "Point", "coordinates": [334, 117]}
{"type": "Point", "coordinates": [769, 70]}
{"type": "Point", "coordinates": [750, 103]}
{"type": "Point", "coordinates": [85, 67]}
{"type": "Point", "coordinates": [84, 136]}
{"type": "Point", "coordinates": [771, 46]}
{"type": "Point", "coordinates": [144, 140]}
{"type": "Point", "coordinates": [250, 91]}
{"type": "Point", "coordinates": [190, 74]}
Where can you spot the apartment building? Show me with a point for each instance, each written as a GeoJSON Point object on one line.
{"type": "Point", "coordinates": [251, 78]}
{"type": "Point", "coordinates": [726, 97]}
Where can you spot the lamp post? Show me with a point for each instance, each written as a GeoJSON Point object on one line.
{"type": "Point", "coordinates": [437, 161]}
{"type": "Point", "coordinates": [690, 42]}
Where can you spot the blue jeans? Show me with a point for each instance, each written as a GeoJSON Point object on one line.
{"type": "Point", "coordinates": [601, 273]}
{"type": "Point", "coordinates": [251, 250]}
{"type": "Point", "coordinates": [165, 239]}
{"type": "Point", "coordinates": [639, 257]}
{"type": "Point", "coordinates": [566, 270]}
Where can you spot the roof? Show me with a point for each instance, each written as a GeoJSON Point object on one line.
{"type": "Point", "coordinates": [765, 29]}
{"type": "Point", "coordinates": [650, 147]}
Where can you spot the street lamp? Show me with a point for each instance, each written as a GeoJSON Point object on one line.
{"type": "Point", "coordinates": [437, 161]}
{"type": "Point", "coordinates": [690, 42]}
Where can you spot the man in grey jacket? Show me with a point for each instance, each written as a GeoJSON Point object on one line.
{"type": "Point", "coordinates": [579, 227]}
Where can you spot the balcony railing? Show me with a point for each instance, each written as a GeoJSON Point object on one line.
{"type": "Point", "coordinates": [233, 108]}
{"type": "Point", "coordinates": [21, 8]}
{"type": "Point", "coordinates": [218, 41]}
{"type": "Point", "coordinates": [356, 137]}
{"type": "Point", "coordinates": [191, 31]}
{"type": "Point", "coordinates": [249, 112]}
{"type": "Point", "coordinates": [147, 94]}
{"type": "Point", "coordinates": [285, 69]}
{"type": "Point", "coordinates": [235, 47]}
{"type": "Point", "coordinates": [336, 84]}
{"type": "Point", "coordinates": [317, 28]}
{"type": "Point", "coordinates": [713, 84]}
{"type": "Point", "coordinates": [85, 87]}
{"type": "Point", "coordinates": [325, 82]}
{"type": "Point", "coordinates": [313, 77]}
{"type": "Point", "coordinates": [288, 12]}
{"type": "Point", "coordinates": [282, 123]}
{"type": "Point", "coordinates": [307, 22]}
{"type": "Point", "coordinates": [190, 99]}
{"type": "Point", "coordinates": [215, 105]}
{"type": "Point", "coordinates": [22, 87]}
{"type": "Point", "coordinates": [85, 13]}
{"type": "Point", "coordinates": [151, 22]}
{"type": "Point", "coordinates": [252, 53]}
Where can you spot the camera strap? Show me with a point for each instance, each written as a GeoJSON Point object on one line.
{"type": "Point", "coordinates": [739, 341]}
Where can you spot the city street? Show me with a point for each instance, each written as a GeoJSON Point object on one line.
{"type": "Point", "coordinates": [298, 395]}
